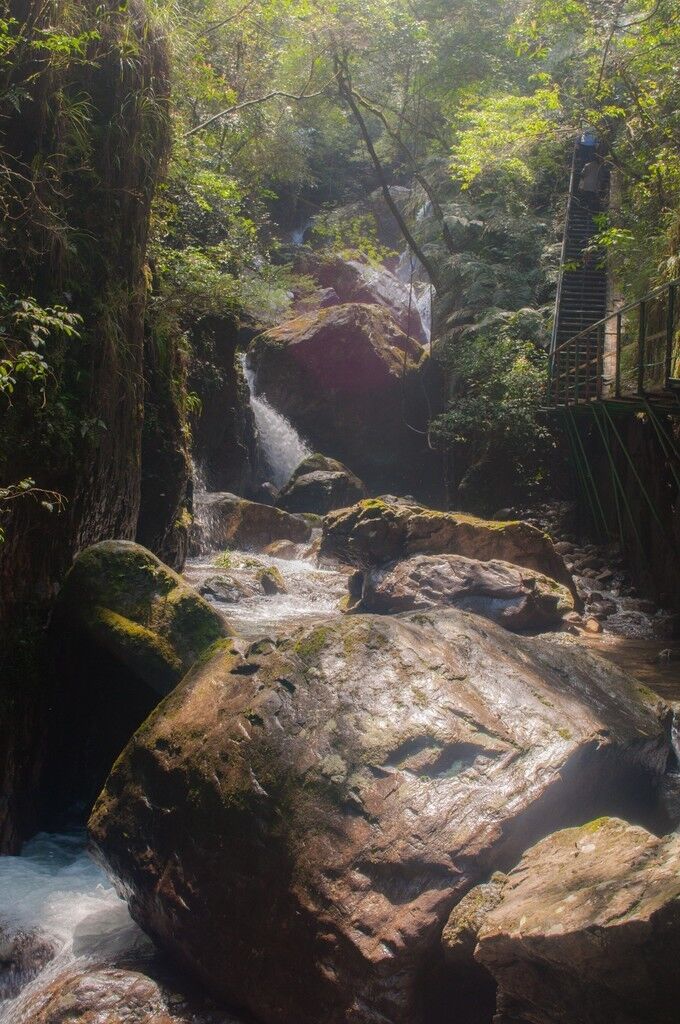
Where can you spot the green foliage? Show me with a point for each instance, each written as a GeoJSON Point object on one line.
{"type": "Point", "coordinates": [25, 322]}
{"type": "Point", "coordinates": [350, 237]}
{"type": "Point", "coordinates": [493, 421]}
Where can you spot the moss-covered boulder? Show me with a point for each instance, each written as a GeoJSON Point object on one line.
{"type": "Point", "coordinates": [124, 631]}
{"type": "Point", "coordinates": [588, 929]}
{"type": "Point", "coordinates": [297, 819]}
{"type": "Point", "coordinates": [139, 611]}
{"type": "Point", "coordinates": [380, 530]}
{"type": "Point", "coordinates": [271, 581]}
{"type": "Point", "coordinates": [319, 485]}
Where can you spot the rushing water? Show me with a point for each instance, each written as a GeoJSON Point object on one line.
{"type": "Point", "coordinates": [312, 592]}
{"type": "Point", "coordinates": [281, 445]}
{"type": "Point", "coordinates": [56, 887]}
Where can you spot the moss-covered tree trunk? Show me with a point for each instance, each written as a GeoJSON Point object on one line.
{"type": "Point", "coordinates": [82, 140]}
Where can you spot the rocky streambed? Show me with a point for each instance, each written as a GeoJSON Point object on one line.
{"type": "Point", "coordinates": [305, 826]}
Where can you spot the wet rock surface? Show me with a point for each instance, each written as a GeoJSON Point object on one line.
{"type": "Point", "coordinates": [297, 822]}
{"type": "Point", "coordinates": [319, 485]}
{"type": "Point", "coordinates": [383, 530]}
{"type": "Point", "coordinates": [140, 992]}
{"type": "Point", "coordinates": [23, 954]}
{"type": "Point", "coordinates": [518, 599]}
{"type": "Point", "coordinates": [358, 280]}
{"type": "Point", "coordinates": [227, 521]}
{"type": "Point", "coordinates": [588, 929]}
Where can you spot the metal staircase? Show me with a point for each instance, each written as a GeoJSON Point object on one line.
{"type": "Point", "coordinates": [582, 289]}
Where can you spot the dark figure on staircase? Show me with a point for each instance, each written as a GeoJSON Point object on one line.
{"type": "Point", "coordinates": [590, 184]}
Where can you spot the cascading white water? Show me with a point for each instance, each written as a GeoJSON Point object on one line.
{"type": "Point", "coordinates": [281, 445]}
{"type": "Point", "coordinates": [56, 888]}
{"type": "Point", "coordinates": [297, 235]}
{"type": "Point", "coordinates": [410, 270]}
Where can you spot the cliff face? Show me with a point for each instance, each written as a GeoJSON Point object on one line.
{"type": "Point", "coordinates": [84, 145]}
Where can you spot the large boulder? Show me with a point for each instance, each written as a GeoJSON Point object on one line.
{"type": "Point", "coordinates": [227, 521]}
{"type": "Point", "coordinates": [319, 485]}
{"type": "Point", "coordinates": [519, 599]}
{"type": "Point", "coordinates": [379, 530]}
{"type": "Point", "coordinates": [358, 280]}
{"type": "Point", "coordinates": [125, 629]}
{"type": "Point", "coordinates": [296, 822]}
{"type": "Point", "coordinates": [588, 929]}
{"type": "Point", "coordinates": [354, 385]}
{"type": "Point", "coordinates": [138, 611]}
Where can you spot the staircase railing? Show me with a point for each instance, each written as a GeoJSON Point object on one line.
{"type": "Point", "coordinates": [633, 352]}
{"type": "Point", "coordinates": [565, 236]}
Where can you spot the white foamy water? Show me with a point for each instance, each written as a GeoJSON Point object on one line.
{"type": "Point", "coordinates": [410, 270]}
{"type": "Point", "coordinates": [54, 888]}
{"type": "Point", "coordinates": [313, 592]}
{"type": "Point", "coordinates": [281, 445]}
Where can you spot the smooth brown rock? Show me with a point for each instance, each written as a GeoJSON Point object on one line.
{"type": "Point", "coordinates": [378, 530]}
{"type": "Point", "coordinates": [319, 485]}
{"type": "Point", "coordinates": [227, 521]}
{"type": "Point", "coordinates": [351, 382]}
{"type": "Point", "coordinates": [519, 599]}
{"type": "Point", "coordinates": [588, 929]}
{"type": "Point", "coordinates": [99, 994]}
{"type": "Point", "coordinates": [285, 549]}
{"type": "Point", "coordinates": [296, 822]}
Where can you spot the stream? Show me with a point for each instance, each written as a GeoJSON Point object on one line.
{"type": "Point", "coordinates": [56, 886]}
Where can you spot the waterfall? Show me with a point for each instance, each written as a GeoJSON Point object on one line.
{"type": "Point", "coordinates": [410, 269]}
{"type": "Point", "coordinates": [281, 445]}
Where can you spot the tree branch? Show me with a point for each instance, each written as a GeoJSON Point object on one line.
{"type": "Point", "coordinates": [347, 92]}
{"type": "Point", "coordinates": [304, 95]}
{"type": "Point", "coordinates": [418, 175]}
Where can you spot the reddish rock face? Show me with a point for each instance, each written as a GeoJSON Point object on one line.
{"type": "Point", "coordinates": [588, 929]}
{"type": "Point", "coordinates": [359, 281]}
{"type": "Point", "coordinates": [353, 384]}
{"type": "Point", "coordinates": [519, 599]}
{"type": "Point", "coordinates": [226, 521]}
{"type": "Point", "coordinates": [295, 823]}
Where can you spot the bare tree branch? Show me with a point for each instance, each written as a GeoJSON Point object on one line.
{"type": "Point", "coordinates": [275, 93]}
{"type": "Point", "coordinates": [347, 92]}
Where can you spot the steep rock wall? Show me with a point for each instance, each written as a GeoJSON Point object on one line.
{"type": "Point", "coordinates": [84, 146]}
